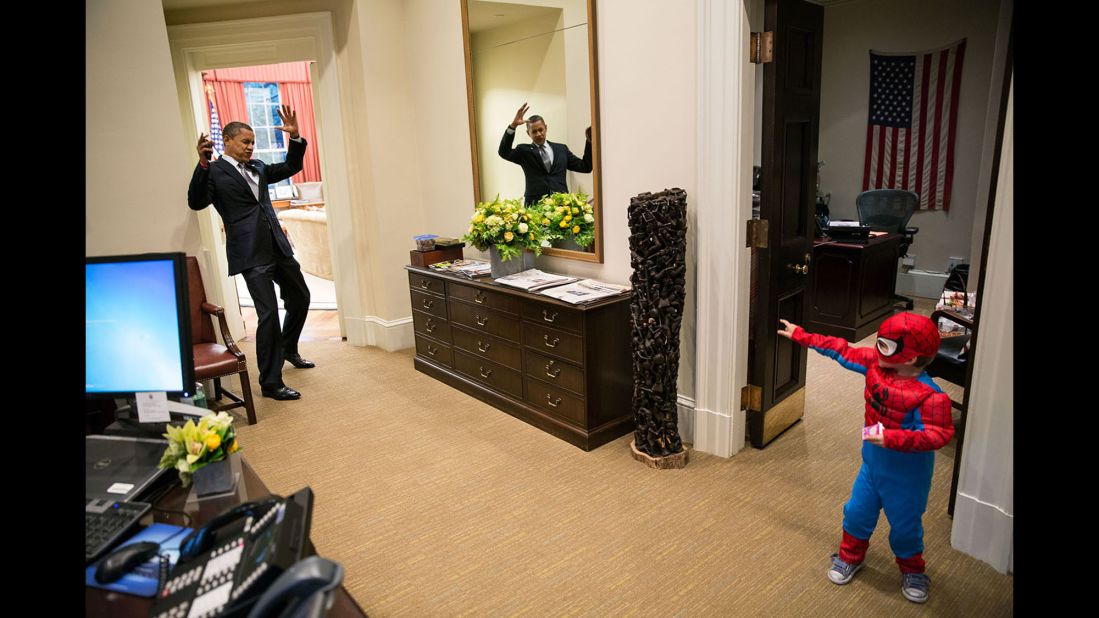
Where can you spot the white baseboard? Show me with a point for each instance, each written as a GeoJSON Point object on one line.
{"type": "Point", "coordinates": [686, 408]}
{"type": "Point", "coordinates": [920, 283]}
{"type": "Point", "coordinates": [389, 335]}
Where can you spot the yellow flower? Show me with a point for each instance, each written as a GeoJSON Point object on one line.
{"type": "Point", "coordinates": [233, 447]}
{"type": "Point", "coordinates": [564, 224]}
{"type": "Point", "coordinates": [545, 221]}
{"type": "Point", "coordinates": [508, 236]}
{"type": "Point", "coordinates": [532, 235]}
{"type": "Point", "coordinates": [213, 441]}
{"type": "Point", "coordinates": [575, 210]}
{"type": "Point", "coordinates": [480, 218]}
{"type": "Point", "coordinates": [568, 218]}
{"type": "Point", "coordinates": [576, 230]}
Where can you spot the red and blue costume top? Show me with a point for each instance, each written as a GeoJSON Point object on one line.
{"type": "Point", "coordinates": [913, 411]}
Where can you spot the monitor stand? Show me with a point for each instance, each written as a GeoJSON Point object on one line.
{"type": "Point", "coordinates": [127, 423]}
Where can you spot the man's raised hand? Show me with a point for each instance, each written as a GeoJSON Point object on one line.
{"type": "Point", "coordinates": [289, 121]}
{"type": "Point", "coordinates": [205, 147]}
{"type": "Point", "coordinates": [519, 115]}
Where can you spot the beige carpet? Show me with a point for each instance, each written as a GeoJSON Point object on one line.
{"type": "Point", "coordinates": [439, 505]}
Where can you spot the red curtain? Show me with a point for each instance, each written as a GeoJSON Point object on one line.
{"type": "Point", "coordinates": [300, 99]}
{"type": "Point", "coordinates": [294, 90]}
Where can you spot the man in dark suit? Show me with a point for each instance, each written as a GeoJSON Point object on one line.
{"type": "Point", "coordinates": [256, 246]}
{"type": "Point", "coordinates": [544, 163]}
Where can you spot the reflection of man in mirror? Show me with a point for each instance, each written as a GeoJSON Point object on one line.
{"type": "Point", "coordinates": [544, 163]}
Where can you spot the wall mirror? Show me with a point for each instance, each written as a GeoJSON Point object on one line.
{"type": "Point", "coordinates": [542, 53]}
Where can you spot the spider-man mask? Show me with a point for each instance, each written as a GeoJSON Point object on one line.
{"type": "Point", "coordinates": [905, 336]}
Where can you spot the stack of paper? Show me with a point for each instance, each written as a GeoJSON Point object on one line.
{"type": "Point", "coordinates": [533, 280]}
{"type": "Point", "coordinates": [585, 291]}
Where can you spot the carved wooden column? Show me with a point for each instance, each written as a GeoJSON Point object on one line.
{"type": "Point", "coordinates": [658, 244]}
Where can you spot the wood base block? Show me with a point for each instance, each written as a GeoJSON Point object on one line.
{"type": "Point", "coordinates": [670, 462]}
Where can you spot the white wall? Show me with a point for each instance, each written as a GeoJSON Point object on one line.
{"type": "Point", "coordinates": [136, 160]}
{"type": "Point", "coordinates": [851, 29]}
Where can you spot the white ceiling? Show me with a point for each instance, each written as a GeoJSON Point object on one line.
{"type": "Point", "coordinates": [175, 5]}
{"type": "Point", "coordinates": [484, 15]}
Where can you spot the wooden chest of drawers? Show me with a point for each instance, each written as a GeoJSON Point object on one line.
{"type": "Point", "coordinates": [563, 368]}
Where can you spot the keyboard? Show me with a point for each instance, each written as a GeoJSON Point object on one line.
{"type": "Point", "coordinates": [107, 523]}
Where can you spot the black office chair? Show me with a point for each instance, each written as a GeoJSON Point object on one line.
{"type": "Point", "coordinates": [953, 356]}
{"type": "Point", "coordinates": [888, 210]}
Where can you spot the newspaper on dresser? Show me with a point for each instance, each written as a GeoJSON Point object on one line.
{"type": "Point", "coordinates": [534, 280]}
{"type": "Point", "coordinates": [585, 291]}
{"type": "Point", "coordinates": [466, 268]}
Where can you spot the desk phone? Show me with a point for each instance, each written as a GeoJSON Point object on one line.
{"type": "Point", "coordinates": [227, 565]}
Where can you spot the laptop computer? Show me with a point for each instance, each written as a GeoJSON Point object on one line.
{"type": "Point", "coordinates": [121, 468]}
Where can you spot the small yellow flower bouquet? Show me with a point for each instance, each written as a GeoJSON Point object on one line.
{"type": "Point", "coordinates": [568, 215]}
{"type": "Point", "coordinates": [192, 446]}
{"type": "Point", "coordinates": [506, 225]}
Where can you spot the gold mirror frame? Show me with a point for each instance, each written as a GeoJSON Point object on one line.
{"type": "Point", "coordinates": [593, 92]}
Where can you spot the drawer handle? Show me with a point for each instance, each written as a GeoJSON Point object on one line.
{"type": "Point", "coordinates": [481, 368]}
{"type": "Point", "coordinates": [551, 345]}
{"type": "Point", "coordinates": [549, 318]}
{"type": "Point", "coordinates": [425, 284]}
{"type": "Point", "coordinates": [555, 372]}
{"type": "Point", "coordinates": [553, 403]}
{"type": "Point", "coordinates": [479, 297]}
{"type": "Point", "coordinates": [429, 326]}
{"type": "Point", "coordinates": [428, 303]}
{"type": "Point", "coordinates": [480, 321]}
{"type": "Point", "coordinates": [484, 349]}
{"type": "Point", "coordinates": [431, 351]}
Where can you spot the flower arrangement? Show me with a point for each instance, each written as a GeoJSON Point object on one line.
{"type": "Point", "coordinates": [506, 225]}
{"type": "Point", "coordinates": [192, 446]}
{"type": "Point", "coordinates": [568, 215]}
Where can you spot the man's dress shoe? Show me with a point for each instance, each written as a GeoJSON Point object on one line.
{"type": "Point", "coordinates": [299, 362]}
{"type": "Point", "coordinates": [283, 394]}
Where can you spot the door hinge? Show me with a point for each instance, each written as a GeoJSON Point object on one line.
{"type": "Point", "coordinates": [751, 398]}
{"type": "Point", "coordinates": [762, 47]}
{"type": "Point", "coordinates": [757, 234]}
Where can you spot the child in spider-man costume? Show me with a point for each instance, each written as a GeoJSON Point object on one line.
{"type": "Point", "coordinates": [898, 456]}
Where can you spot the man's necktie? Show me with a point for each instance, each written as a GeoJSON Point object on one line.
{"type": "Point", "coordinates": [248, 177]}
{"type": "Point", "coordinates": [545, 156]}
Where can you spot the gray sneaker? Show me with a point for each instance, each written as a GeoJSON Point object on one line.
{"type": "Point", "coordinates": [915, 586]}
{"type": "Point", "coordinates": [841, 572]}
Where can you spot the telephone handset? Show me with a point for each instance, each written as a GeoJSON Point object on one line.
{"type": "Point", "coordinates": [203, 538]}
{"type": "Point", "coordinates": [305, 590]}
{"type": "Point", "coordinates": [226, 565]}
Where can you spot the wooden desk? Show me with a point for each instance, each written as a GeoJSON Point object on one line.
{"type": "Point", "coordinates": [851, 291]}
{"type": "Point", "coordinates": [99, 602]}
{"type": "Point", "coordinates": [284, 204]}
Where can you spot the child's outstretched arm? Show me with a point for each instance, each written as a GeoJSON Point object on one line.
{"type": "Point", "coordinates": [934, 431]}
{"type": "Point", "coordinates": [855, 359]}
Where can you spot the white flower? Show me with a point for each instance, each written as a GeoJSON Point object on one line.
{"type": "Point", "coordinates": [523, 228]}
{"type": "Point", "coordinates": [589, 218]}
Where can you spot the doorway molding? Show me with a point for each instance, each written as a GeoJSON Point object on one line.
{"type": "Point", "coordinates": [271, 40]}
{"type": "Point", "coordinates": [726, 106]}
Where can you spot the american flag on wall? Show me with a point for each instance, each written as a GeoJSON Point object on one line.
{"type": "Point", "coordinates": [913, 116]}
{"type": "Point", "coordinates": [215, 123]}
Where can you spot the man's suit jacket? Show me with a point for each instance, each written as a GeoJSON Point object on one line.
{"type": "Point", "coordinates": [539, 181]}
{"type": "Point", "coordinates": [243, 215]}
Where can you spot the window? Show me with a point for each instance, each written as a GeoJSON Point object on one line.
{"type": "Point", "coordinates": [262, 99]}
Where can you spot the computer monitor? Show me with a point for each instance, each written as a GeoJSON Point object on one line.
{"type": "Point", "coordinates": [138, 326]}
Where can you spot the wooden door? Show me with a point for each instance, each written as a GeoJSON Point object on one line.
{"type": "Point", "coordinates": [791, 121]}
